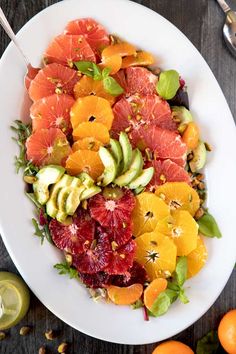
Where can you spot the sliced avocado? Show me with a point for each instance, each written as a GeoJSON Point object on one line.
{"type": "Point", "coordinates": [73, 200]}
{"type": "Point", "coordinates": [116, 152]}
{"type": "Point", "coordinates": [133, 171]}
{"type": "Point", "coordinates": [47, 175]}
{"type": "Point", "coordinates": [110, 169]}
{"type": "Point", "coordinates": [86, 179]}
{"type": "Point", "coordinates": [183, 115]}
{"type": "Point", "coordinates": [90, 192]}
{"type": "Point", "coordinates": [143, 179]}
{"type": "Point", "coordinates": [51, 206]}
{"type": "Point", "coordinates": [199, 157]}
{"type": "Point", "coordinates": [61, 216]}
{"type": "Point", "coordinates": [126, 150]}
{"type": "Point", "coordinates": [139, 190]}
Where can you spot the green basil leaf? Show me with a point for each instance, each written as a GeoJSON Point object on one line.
{"type": "Point", "coordinates": [173, 286]}
{"type": "Point", "coordinates": [161, 304]}
{"type": "Point", "coordinates": [173, 295]}
{"type": "Point", "coordinates": [137, 305]}
{"type": "Point", "coordinates": [106, 72]}
{"type": "Point", "coordinates": [208, 226]}
{"type": "Point", "coordinates": [209, 344]}
{"type": "Point", "coordinates": [89, 69]}
{"type": "Point", "coordinates": [112, 87]}
{"type": "Point", "coordinates": [182, 296]}
{"type": "Point", "coordinates": [181, 270]}
{"type": "Point", "coordinates": [168, 84]}
{"type": "Point", "coordinates": [97, 73]}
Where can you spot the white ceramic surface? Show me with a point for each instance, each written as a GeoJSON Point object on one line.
{"type": "Point", "coordinates": [66, 298]}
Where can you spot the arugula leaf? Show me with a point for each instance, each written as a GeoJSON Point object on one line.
{"type": "Point", "coordinates": [42, 232]}
{"type": "Point", "coordinates": [208, 226]}
{"type": "Point", "coordinates": [65, 268]}
{"type": "Point", "coordinates": [161, 304]}
{"type": "Point", "coordinates": [111, 86]}
{"type": "Point", "coordinates": [33, 199]}
{"type": "Point", "coordinates": [181, 270]}
{"type": "Point", "coordinates": [168, 84]}
{"type": "Point", "coordinates": [209, 344]}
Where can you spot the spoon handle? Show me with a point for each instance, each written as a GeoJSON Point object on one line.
{"type": "Point", "coordinates": [225, 7]}
{"type": "Point", "coordinates": [5, 24]}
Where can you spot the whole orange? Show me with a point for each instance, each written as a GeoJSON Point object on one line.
{"type": "Point", "coordinates": [172, 347]}
{"type": "Point", "coordinates": [227, 332]}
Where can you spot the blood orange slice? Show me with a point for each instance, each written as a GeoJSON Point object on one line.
{"type": "Point", "coordinates": [165, 144]}
{"type": "Point", "coordinates": [96, 280]}
{"type": "Point", "coordinates": [53, 78]}
{"type": "Point", "coordinates": [166, 171]}
{"type": "Point", "coordinates": [133, 113]}
{"type": "Point", "coordinates": [76, 237]}
{"type": "Point", "coordinates": [93, 32]}
{"type": "Point", "coordinates": [47, 146]}
{"type": "Point", "coordinates": [136, 274]}
{"type": "Point", "coordinates": [140, 80]}
{"type": "Point", "coordinates": [52, 112]}
{"type": "Point", "coordinates": [66, 49]}
{"type": "Point", "coordinates": [121, 259]}
{"type": "Point", "coordinates": [121, 236]}
{"type": "Point", "coordinates": [113, 207]}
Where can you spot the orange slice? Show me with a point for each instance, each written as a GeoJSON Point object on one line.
{"type": "Point", "coordinates": [179, 195]}
{"type": "Point", "coordinates": [149, 209]}
{"type": "Point", "coordinates": [153, 290]}
{"type": "Point", "coordinates": [92, 129]}
{"type": "Point", "coordinates": [138, 59]}
{"type": "Point", "coordinates": [157, 253]}
{"type": "Point", "coordinates": [91, 109]}
{"type": "Point", "coordinates": [86, 86]}
{"type": "Point", "coordinates": [125, 296]}
{"type": "Point", "coordinates": [191, 135]}
{"type": "Point", "coordinates": [85, 161]}
{"type": "Point", "coordinates": [89, 143]}
{"type": "Point", "coordinates": [112, 55]}
{"type": "Point", "coordinates": [197, 258]}
{"type": "Point", "coordinates": [183, 230]}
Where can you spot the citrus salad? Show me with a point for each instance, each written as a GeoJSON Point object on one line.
{"type": "Point", "coordinates": [112, 159]}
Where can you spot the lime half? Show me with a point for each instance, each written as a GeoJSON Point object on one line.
{"type": "Point", "coordinates": [14, 300]}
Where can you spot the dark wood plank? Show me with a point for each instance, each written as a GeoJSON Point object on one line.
{"type": "Point", "coordinates": [201, 21]}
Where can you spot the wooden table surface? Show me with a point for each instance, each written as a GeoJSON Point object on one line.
{"type": "Point", "coordinates": [201, 21]}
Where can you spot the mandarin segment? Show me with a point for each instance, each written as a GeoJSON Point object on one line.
{"type": "Point", "coordinates": [112, 55]}
{"type": "Point", "coordinates": [153, 290]}
{"type": "Point", "coordinates": [157, 253]}
{"type": "Point", "coordinates": [140, 58]}
{"type": "Point", "coordinates": [89, 143]}
{"type": "Point", "coordinates": [85, 161]}
{"type": "Point", "coordinates": [197, 258]}
{"type": "Point", "coordinates": [92, 129]}
{"type": "Point", "coordinates": [91, 109]}
{"type": "Point", "coordinates": [179, 195]}
{"type": "Point", "coordinates": [149, 209]}
{"type": "Point", "coordinates": [182, 229]}
{"type": "Point", "coordinates": [86, 86]}
{"type": "Point", "coordinates": [125, 295]}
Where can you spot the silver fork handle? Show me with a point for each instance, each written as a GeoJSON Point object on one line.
{"type": "Point", "coordinates": [223, 4]}
{"type": "Point", "coordinates": [5, 24]}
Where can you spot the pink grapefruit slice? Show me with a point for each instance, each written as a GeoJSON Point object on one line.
{"type": "Point", "coordinates": [140, 80]}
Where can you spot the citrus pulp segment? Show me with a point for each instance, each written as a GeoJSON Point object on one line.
{"type": "Point", "coordinates": [47, 146]}
{"type": "Point", "coordinates": [93, 32]}
{"type": "Point", "coordinates": [67, 49]}
{"type": "Point", "coordinates": [182, 229]}
{"type": "Point", "coordinates": [52, 112]}
{"type": "Point", "coordinates": [86, 86]}
{"type": "Point", "coordinates": [152, 291]}
{"type": "Point", "coordinates": [140, 80]}
{"type": "Point", "coordinates": [148, 210]}
{"type": "Point", "coordinates": [179, 195]}
{"type": "Point", "coordinates": [53, 78]}
{"type": "Point", "coordinates": [140, 58]}
{"type": "Point", "coordinates": [95, 130]}
{"type": "Point", "coordinates": [125, 295]}
{"type": "Point", "coordinates": [157, 253]}
{"type": "Point", "coordinates": [197, 258]}
{"type": "Point", "coordinates": [85, 161]}
{"type": "Point", "coordinates": [88, 143]}
{"type": "Point", "coordinates": [91, 109]}
{"type": "Point", "coordinates": [122, 258]}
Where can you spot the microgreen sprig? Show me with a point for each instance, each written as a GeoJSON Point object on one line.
{"type": "Point", "coordinates": [66, 269]}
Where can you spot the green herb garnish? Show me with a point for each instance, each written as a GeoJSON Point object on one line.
{"type": "Point", "coordinates": [92, 70]}
{"type": "Point", "coordinates": [174, 290]}
{"type": "Point", "coordinates": [137, 305]}
{"type": "Point", "coordinates": [65, 268]}
{"type": "Point", "coordinates": [41, 231]}
{"type": "Point", "coordinates": [209, 344]}
{"type": "Point", "coordinates": [208, 226]}
{"type": "Point", "coordinates": [168, 84]}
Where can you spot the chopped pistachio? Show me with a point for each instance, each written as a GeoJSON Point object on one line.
{"type": "Point", "coordinates": [2, 335]}
{"type": "Point", "coordinates": [62, 348]}
{"type": "Point", "coordinates": [24, 330]}
{"type": "Point", "coordinates": [30, 179]}
{"type": "Point", "coordinates": [49, 335]}
{"type": "Point", "coordinates": [42, 350]}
